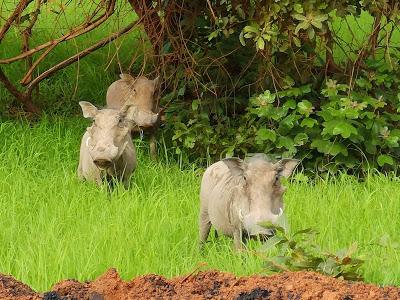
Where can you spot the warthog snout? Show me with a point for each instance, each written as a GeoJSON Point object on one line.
{"type": "Point", "coordinates": [105, 154]}
{"type": "Point", "coordinates": [103, 163]}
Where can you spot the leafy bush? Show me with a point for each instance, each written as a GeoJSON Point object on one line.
{"type": "Point", "coordinates": [290, 78]}
{"type": "Point", "coordinates": [300, 252]}
{"type": "Point", "coordinates": [331, 128]}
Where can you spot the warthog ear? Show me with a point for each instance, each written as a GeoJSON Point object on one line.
{"type": "Point", "coordinates": [156, 81]}
{"type": "Point", "coordinates": [286, 166]}
{"type": "Point", "coordinates": [126, 77]}
{"type": "Point", "coordinates": [88, 109]}
{"type": "Point", "coordinates": [125, 110]}
{"type": "Point", "coordinates": [235, 165]}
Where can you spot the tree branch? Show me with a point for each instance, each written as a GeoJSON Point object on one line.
{"type": "Point", "coordinates": [9, 86]}
{"type": "Point", "coordinates": [80, 55]}
{"type": "Point", "coordinates": [151, 21]}
{"type": "Point", "coordinates": [17, 12]}
{"type": "Point", "coordinates": [27, 32]}
{"type": "Point", "coordinates": [79, 30]}
{"type": "Point", "coordinates": [24, 98]}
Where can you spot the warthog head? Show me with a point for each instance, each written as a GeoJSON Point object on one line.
{"type": "Point", "coordinates": [143, 88]}
{"type": "Point", "coordinates": [109, 133]}
{"type": "Point", "coordinates": [262, 190]}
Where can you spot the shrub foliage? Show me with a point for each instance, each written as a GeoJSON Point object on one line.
{"type": "Point", "coordinates": [291, 78]}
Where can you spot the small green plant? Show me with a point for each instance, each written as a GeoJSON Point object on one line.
{"type": "Point", "coordinates": [299, 251]}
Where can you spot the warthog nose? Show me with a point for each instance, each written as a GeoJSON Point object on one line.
{"type": "Point", "coordinates": [102, 163]}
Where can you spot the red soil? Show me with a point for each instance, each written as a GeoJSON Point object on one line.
{"type": "Point", "coordinates": [203, 285]}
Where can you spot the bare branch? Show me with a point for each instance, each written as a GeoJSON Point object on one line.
{"type": "Point", "coordinates": [28, 76]}
{"type": "Point", "coordinates": [80, 55]}
{"type": "Point", "coordinates": [24, 98]}
{"type": "Point", "coordinates": [17, 12]}
{"type": "Point", "coordinates": [27, 32]}
{"type": "Point", "coordinates": [79, 30]}
{"type": "Point", "coordinates": [9, 86]}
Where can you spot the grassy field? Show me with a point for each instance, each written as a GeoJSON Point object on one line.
{"type": "Point", "coordinates": [54, 227]}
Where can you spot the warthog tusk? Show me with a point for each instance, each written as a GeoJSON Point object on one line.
{"type": "Point", "coordinates": [280, 212]}
{"type": "Point", "coordinates": [240, 215]}
{"type": "Point", "coordinates": [122, 149]}
{"type": "Point", "coordinates": [87, 141]}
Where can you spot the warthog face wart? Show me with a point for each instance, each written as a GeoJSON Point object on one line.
{"type": "Point", "coordinates": [108, 136]}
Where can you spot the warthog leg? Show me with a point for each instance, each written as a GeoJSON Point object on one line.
{"type": "Point", "coordinates": [204, 226]}
{"type": "Point", "coordinates": [153, 145]}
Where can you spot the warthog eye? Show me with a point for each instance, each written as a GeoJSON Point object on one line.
{"type": "Point", "coordinates": [276, 179]}
{"type": "Point", "coordinates": [121, 122]}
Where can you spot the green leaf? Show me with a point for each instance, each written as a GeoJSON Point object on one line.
{"type": "Point", "coordinates": [298, 8]}
{"type": "Point", "coordinates": [252, 29]}
{"type": "Point", "coordinates": [260, 43]}
{"type": "Point", "coordinates": [270, 225]}
{"type": "Point", "coordinates": [264, 134]}
{"type": "Point", "coordinates": [272, 242]}
{"type": "Point", "coordinates": [302, 25]}
{"type": "Point", "coordinates": [296, 41]}
{"type": "Point", "coordinates": [339, 127]}
{"type": "Point", "coordinates": [181, 91]}
{"type": "Point", "coordinates": [195, 104]}
{"type": "Point", "coordinates": [300, 139]}
{"type": "Point", "coordinates": [308, 122]}
{"type": "Point", "coordinates": [328, 147]}
{"type": "Point", "coordinates": [385, 159]}
{"type": "Point", "coordinates": [309, 231]}
{"type": "Point", "coordinates": [316, 21]}
{"type": "Point", "coordinates": [241, 39]}
{"type": "Point", "coordinates": [311, 33]}
{"type": "Point", "coordinates": [284, 141]}
{"type": "Point", "coordinates": [291, 103]}
{"type": "Point", "coordinates": [267, 96]}
{"type": "Point", "coordinates": [305, 107]}
{"type": "Point", "coordinates": [213, 35]}
{"type": "Point", "coordinates": [299, 17]}
{"type": "Point", "coordinates": [240, 11]}
{"type": "Point", "coordinates": [290, 120]}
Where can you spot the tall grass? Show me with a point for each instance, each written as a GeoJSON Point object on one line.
{"type": "Point", "coordinates": [54, 227]}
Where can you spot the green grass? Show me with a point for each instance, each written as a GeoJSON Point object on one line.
{"type": "Point", "coordinates": [54, 227]}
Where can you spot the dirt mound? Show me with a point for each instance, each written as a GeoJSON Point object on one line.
{"type": "Point", "coordinates": [203, 285]}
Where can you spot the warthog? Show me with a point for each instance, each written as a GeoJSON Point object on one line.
{"type": "Point", "coordinates": [237, 195]}
{"type": "Point", "coordinates": [140, 92]}
{"type": "Point", "coordinates": [107, 150]}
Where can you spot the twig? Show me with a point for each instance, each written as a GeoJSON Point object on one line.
{"type": "Point", "coordinates": [28, 76]}
{"type": "Point", "coordinates": [80, 55]}
{"type": "Point", "coordinates": [212, 11]}
{"type": "Point", "coordinates": [79, 30]}
{"type": "Point", "coordinates": [18, 10]}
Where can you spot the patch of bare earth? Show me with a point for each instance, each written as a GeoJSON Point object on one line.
{"type": "Point", "coordinates": [203, 285]}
